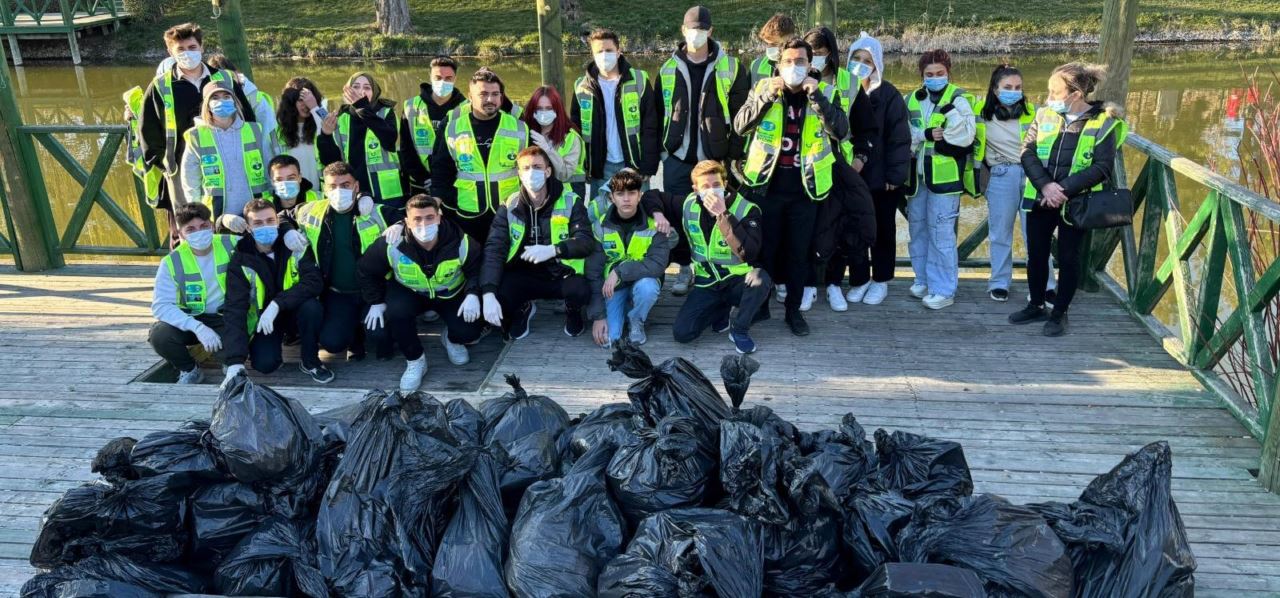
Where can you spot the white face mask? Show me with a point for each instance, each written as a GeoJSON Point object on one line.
{"type": "Point", "coordinates": [427, 232]}
{"type": "Point", "coordinates": [819, 63]}
{"type": "Point", "coordinates": [711, 193]}
{"type": "Point", "coordinates": [533, 180]}
{"type": "Point", "coordinates": [442, 88]}
{"type": "Point", "coordinates": [201, 239]}
{"type": "Point", "coordinates": [605, 61]}
{"type": "Point", "coordinates": [696, 38]}
{"type": "Point", "coordinates": [794, 75]}
{"type": "Point", "coordinates": [341, 199]}
{"type": "Point", "coordinates": [545, 117]}
{"type": "Point", "coordinates": [189, 59]}
{"type": "Point", "coordinates": [773, 53]}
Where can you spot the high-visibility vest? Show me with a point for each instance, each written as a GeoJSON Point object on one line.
{"type": "Point", "coordinates": [980, 139]}
{"type": "Point", "coordinates": [213, 179]}
{"type": "Point", "coordinates": [187, 279]}
{"type": "Point", "coordinates": [381, 162]}
{"type": "Point", "coordinates": [258, 289]}
{"type": "Point", "coordinates": [1049, 126]}
{"type": "Point", "coordinates": [724, 71]}
{"type": "Point", "coordinates": [515, 111]}
{"type": "Point", "coordinates": [630, 93]}
{"type": "Point", "coordinates": [421, 129]}
{"type": "Point", "coordinates": [762, 68]}
{"type": "Point", "coordinates": [616, 250]}
{"type": "Point", "coordinates": [151, 176]}
{"type": "Point", "coordinates": [942, 174]}
{"type": "Point", "coordinates": [814, 153]}
{"type": "Point", "coordinates": [579, 174]}
{"type": "Point", "coordinates": [444, 283]}
{"type": "Point", "coordinates": [713, 260]}
{"type": "Point", "coordinates": [310, 217]}
{"type": "Point", "coordinates": [309, 196]}
{"type": "Point", "coordinates": [561, 216]}
{"type": "Point", "coordinates": [480, 186]}
{"type": "Point", "coordinates": [164, 87]}
{"type": "Point", "coordinates": [266, 97]}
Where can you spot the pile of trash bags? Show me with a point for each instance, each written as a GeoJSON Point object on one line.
{"type": "Point", "coordinates": [675, 492]}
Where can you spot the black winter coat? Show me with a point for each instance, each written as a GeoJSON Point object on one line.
{"type": "Point", "coordinates": [271, 269]}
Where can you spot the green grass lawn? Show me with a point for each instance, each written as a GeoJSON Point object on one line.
{"type": "Point", "coordinates": [507, 27]}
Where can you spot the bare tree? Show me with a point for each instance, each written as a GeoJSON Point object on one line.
{"type": "Point", "coordinates": [393, 16]}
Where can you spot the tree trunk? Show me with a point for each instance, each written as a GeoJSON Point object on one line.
{"type": "Point", "coordinates": [393, 16]}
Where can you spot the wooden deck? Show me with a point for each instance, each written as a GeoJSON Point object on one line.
{"type": "Point", "coordinates": [1038, 417]}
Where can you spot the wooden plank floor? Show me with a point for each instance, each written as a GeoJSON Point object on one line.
{"type": "Point", "coordinates": [1038, 417]}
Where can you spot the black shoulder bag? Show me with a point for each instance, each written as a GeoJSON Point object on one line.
{"type": "Point", "coordinates": [1108, 208]}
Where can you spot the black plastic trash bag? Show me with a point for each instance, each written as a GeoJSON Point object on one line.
{"type": "Point", "coordinates": [67, 529]}
{"type": "Point", "coordinates": [844, 457]}
{"type": "Point", "coordinates": [1125, 535]}
{"type": "Point", "coordinates": [565, 532]}
{"type": "Point", "coordinates": [465, 421]}
{"type": "Point", "coordinates": [664, 468]}
{"type": "Point", "coordinates": [527, 426]}
{"type": "Point", "coordinates": [1011, 547]}
{"type": "Point", "coordinates": [112, 461]}
{"type": "Point", "coordinates": [611, 421]}
{"type": "Point", "coordinates": [689, 552]}
{"type": "Point", "coordinates": [469, 561]}
{"type": "Point", "coordinates": [390, 497]}
{"type": "Point", "coordinates": [872, 522]}
{"type": "Point", "coordinates": [277, 559]}
{"type": "Point", "coordinates": [920, 466]}
{"type": "Point", "coordinates": [264, 437]}
{"type": "Point", "coordinates": [221, 516]}
{"type": "Point", "coordinates": [145, 519]}
{"type": "Point", "coordinates": [676, 387]}
{"type": "Point", "coordinates": [162, 579]}
{"type": "Point", "coordinates": [736, 372]}
{"type": "Point", "coordinates": [94, 588]}
{"type": "Point", "coordinates": [751, 471]}
{"type": "Point", "coordinates": [921, 580]}
{"type": "Point", "coordinates": [190, 450]}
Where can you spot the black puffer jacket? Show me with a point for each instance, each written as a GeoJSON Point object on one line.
{"type": "Point", "coordinates": [271, 269]}
{"type": "Point", "coordinates": [375, 271]}
{"type": "Point", "coordinates": [579, 245]}
{"type": "Point", "coordinates": [1058, 168]}
{"type": "Point", "coordinates": [889, 160]}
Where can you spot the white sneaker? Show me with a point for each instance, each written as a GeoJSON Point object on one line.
{"type": "Point", "coordinates": [876, 292]}
{"type": "Point", "coordinates": [780, 292]}
{"type": "Point", "coordinates": [195, 376]}
{"type": "Point", "coordinates": [458, 354]}
{"type": "Point", "coordinates": [919, 290]}
{"type": "Point", "coordinates": [835, 298]}
{"type": "Point", "coordinates": [807, 299]}
{"type": "Point", "coordinates": [413, 373]}
{"type": "Point", "coordinates": [636, 335]}
{"type": "Point", "coordinates": [681, 284]}
{"type": "Point", "coordinates": [938, 301]}
{"type": "Point", "coordinates": [858, 293]}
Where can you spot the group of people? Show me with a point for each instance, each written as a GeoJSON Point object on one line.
{"type": "Point", "coordinates": [340, 230]}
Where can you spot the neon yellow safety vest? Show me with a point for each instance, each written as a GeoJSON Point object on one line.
{"type": "Point", "coordinates": [561, 215]}
{"type": "Point", "coordinates": [308, 197]}
{"type": "Point", "coordinates": [421, 129]}
{"type": "Point", "coordinates": [616, 250]}
{"type": "Point", "coordinates": [186, 276]}
{"type": "Point", "coordinates": [725, 71]}
{"type": "Point", "coordinates": [381, 162]}
{"type": "Point", "coordinates": [845, 84]}
{"type": "Point", "coordinates": [1049, 126]}
{"type": "Point", "coordinates": [213, 179]}
{"type": "Point", "coordinates": [980, 139]}
{"type": "Point", "coordinates": [579, 174]}
{"type": "Point", "coordinates": [942, 174]}
{"type": "Point", "coordinates": [266, 97]}
{"type": "Point", "coordinates": [630, 93]}
{"type": "Point", "coordinates": [515, 111]}
{"type": "Point", "coordinates": [713, 260]}
{"type": "Point", "coordinates": [815, 154]}
{"type": "Point", "coordinates": [164, 87]}
{"type": "Point", "coordinates": [310, 217]}
{"type": "Point", "coordinates": [762, 68]}
{"type": "Point", "coordinates": [481, 186]}
{"type": "Point", "coordinates": [443, 284]}
{"type": "Point", "coordinates": [151, 176]}
{"type": "Point", "coordinates": [258, 289]}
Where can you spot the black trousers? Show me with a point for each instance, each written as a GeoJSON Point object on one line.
{"type": "Point", "coordinates": [172, 344]}
{"type": "Point", "coordinates": [710, 304]}
{"type": "Point", "coordinates": [677, 186]}
{"type": "Point", "coordinates": [1041, 223]}
{"type": "Point", "coordinates": [477, 228]}
{"type": "Point", "coordinates": [342, 329]}
{"type": "Point", "coordinates": [522, 285]}
{"type": "Point", "coordinates": [266, 351]}
{"type": "Point", "coordinates": [788, 222]}
{"type": "Point", "coordinates": [400, 322]}
{"type": "Point", "coordinates": [883, 253]}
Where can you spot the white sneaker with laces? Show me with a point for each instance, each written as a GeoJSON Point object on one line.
{"type": "Point", "coordinates": [636, 335]}
{"type": "Point", "coordinates": [780, 292]}
{"type": "Point", "coordinates": [835, 298]}
{"type": "Point", "coordinates": [807, 299]}
{"type": "Point", "coordinates": [919, 290]}
{"type": "Point", "coordinates": [938, 301]}
{"type": "Point", "coordinates": [858, 293]}
{"type": "Point", "coordinates": [195, 376]}
{"type": "Point", "coordinates": [876, 293]}
{"type": "Point", "coordinates": [458, 354]}
{"type": "Point", "coordinates": [413, 372]}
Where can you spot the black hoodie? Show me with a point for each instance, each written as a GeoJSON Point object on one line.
{"type": "Point", "coordinates": [374, 269]}
{"type": "Point", "coordinates": [650, 122]}
{"type": "Point", "coordinates": [579, 245]}
{"type": "Point", "coordinates": [271, 269]}
{"type": "Point", "coordinates": [716, 138]}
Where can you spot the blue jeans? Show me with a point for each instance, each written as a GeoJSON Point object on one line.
{"type": "Point", "coordinates": [641, 295]}
{"type": "Point", "coordinates": [932, 223]}
{"type": "Point", "coordinates": [1004, 205]}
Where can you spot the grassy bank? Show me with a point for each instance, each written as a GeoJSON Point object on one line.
{"type": "Point", "coordinates": [311, 28]}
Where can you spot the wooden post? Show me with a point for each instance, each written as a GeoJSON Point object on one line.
{"type": "Point", "coordinates": [824, 14]}
{"type": "Point", "coordinates": [1119, 28]}
{"type": "Point", "coordinates": [35, 249]}
{"type": "Point", "coordinates": [1269, 469]}
{"type": "Point", "coordinates": [551, 44]}
{"type": "Point", "coordinates": [231, 38]}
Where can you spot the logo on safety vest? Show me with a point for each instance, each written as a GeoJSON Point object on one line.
{"type": "Point", "coordinates": [511, 156]}
{"type": "Point", "coordinates": [404, 259]}
{"type": "Point", "coordinates": [420, 132]}
{"type": "Point", "coordinates": [373, 145]}
{"type": "Point", "coordinates": [1046, 127]}
{"type": "Point", "coordinates": [767, 126]}
{"type": "Point", "coordinates": [208, 159]}
{"type": "Point", "coordinates": [585, 104]}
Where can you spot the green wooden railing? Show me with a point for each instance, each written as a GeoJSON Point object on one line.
{"type": "Point", "coordinates": [53, 13]}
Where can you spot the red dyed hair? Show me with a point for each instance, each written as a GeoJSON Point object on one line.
{"type": "Point", "coordinates": [559, 128]}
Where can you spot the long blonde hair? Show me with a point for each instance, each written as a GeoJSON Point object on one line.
{"type": "Point", "coordinates": [1081, 76]}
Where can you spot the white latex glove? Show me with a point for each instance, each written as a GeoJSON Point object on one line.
{"type": "Point", "coordinates": [233, 223]}
{"type": "Point", "coordinates": [492, 309]}
{"type": "Point", "coordinates": [538, 253]}
{"type": "Point", "coordinates": [365, 205]}
{"type": "Point", "coordinates": [295, 241]}
{"type": "Point", "coordinates": [537, 138]}
{"type": "Point", "coordinates": [267, 322]}
{"type": "Point", "coordinates": [232, 372]}
{"type": "Point", "coordinates": [470, 309]}
{"type": "Point", "coordinates": [208, 338]}
{"type": "Point", "coordinates": [373, 319]}
{"type": "Point", "coordinates": [394, 234]}
{"type": "Point", "coordinates": [753, 278]}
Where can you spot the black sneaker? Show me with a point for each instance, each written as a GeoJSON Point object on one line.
{"type": "Point", "coordinates": [1000, 295]}
{"type": "Point", "coordinates": [1057, 324]}
{"type": "Point", "coordinates": [798, 326]}
{"type": "Point", "coordinates": [721, 325]}
{"type": "Point", "coordinates": [1050, 297]}
{"type": "Point", "coordinates": [573, 324]}
{"type": "Point", "coordinates": [319, 373]}
{"type": "Point", "coordinates": [1029, 314]}
{"type": "Point", "coordinates": [520, 327]}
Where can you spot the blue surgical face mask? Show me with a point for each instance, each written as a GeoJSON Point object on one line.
{"type": "Point", "coordinates": [935, 84]}
{"type": "Point", "coordinates": [533, 180]}
{"type": "Point", "coordinates": [201, 239]}
{"type": "Point", "coordinates": [1009, 97]}
{"type": "Point", "coordinates": [287, 189]}
{"type": "Point", "coordinates": [442, 88]}
{"type": "Point", "coordinates": [860, 70]}
{"type": "Point", "coordinates": [266, 235]}
{"type": "Point", "coordinates": [1059, 106]}
{"type": "Point", "coordinates": [222, 108]}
